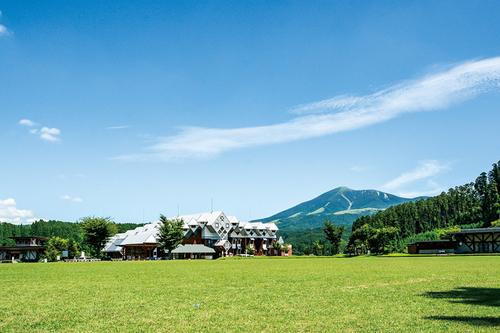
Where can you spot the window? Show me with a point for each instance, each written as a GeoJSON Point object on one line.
{"type": "Point", "coordinates": [217, 225]}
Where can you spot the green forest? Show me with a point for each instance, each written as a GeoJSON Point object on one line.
{"type": "Point", "coordinates": [73, 232]}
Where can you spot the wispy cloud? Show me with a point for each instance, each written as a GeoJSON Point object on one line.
{"type": "Point", "coordinates": [10, 213]}
{"type": "Point", "coordinates": [425, 170]}
{"type": "Point", "coordinates": [67, 197]}
{"type": "Point", "coordinates": [46, 133]}
{"type": "Point", "coordinates": [358, 168]}
{"type": "Point", "coordinates": [437, 90]}
{"type": "Point", "coordinates": [3, 29]}
{"type": "Point", "coordinates": [118, 127]}
{"type": "Point", "coordinates": [27, 122]}
{"type": "Point", "coordinates": [50, 130]}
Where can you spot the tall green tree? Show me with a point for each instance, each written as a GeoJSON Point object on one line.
{"type": "Point", "coordinates": [170, 234]}
{"type": "Point", "coordinates": [56, 245]}
{"type": "Point", "coordinates": [97, 232]}
{"type": "Point", "coordinates": [318, 248]}
{"type": "Point", "coordinates": [333, 234]}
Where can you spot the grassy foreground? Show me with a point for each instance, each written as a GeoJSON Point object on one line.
{"type": "Point", "coordinates": [431, 294]}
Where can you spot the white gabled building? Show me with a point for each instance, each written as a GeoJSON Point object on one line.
{"type": "Point", "coordinates": [209, 235]}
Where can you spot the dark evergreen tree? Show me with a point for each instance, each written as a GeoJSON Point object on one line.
{"type": "Point", "coordinates": [170, 234]}
{"type": "Point", "coordinates": [334, 235]}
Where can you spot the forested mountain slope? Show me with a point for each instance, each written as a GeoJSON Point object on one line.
{"type": "Point", "coordinates": [342, 205]}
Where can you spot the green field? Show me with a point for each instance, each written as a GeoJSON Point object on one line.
{"type": "Point", "coordinates": [387, 294]}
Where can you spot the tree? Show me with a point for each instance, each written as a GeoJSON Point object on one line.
{"type": "Point", "coordinates": [362, 237]}
{"type": "Point", "coordinates": [333, 234]}
{"type": "Point", "coordinates": [277, 247]}
{"type": "Point", "coordinates": [170, 234]}
{"type": "Point", "coordinates": [56, 245]}
{"type": "Point", "coordinates": [386, 240]}
{"type": "Point", "coordinates": [250, 249]}
{"type": "Point", "coordinates": [97, 232]}
{"type": "Point", "coordinates": [317, 248]}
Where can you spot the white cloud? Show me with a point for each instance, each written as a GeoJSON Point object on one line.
{"type": "Point", "coordinates": [118, 127]}
{"type": "Point", "coordinates": [50, 130]}
{"type": "Point", "coordinates": [49, 137]}
{"type": "Point", "coordinates": [67, 197]}
{"type": "Point", "coordinates": [46, 133]}
{"type": "Point", "coordinates": [3, 29]}
{"type": "Point", "coordinates": [358, 169]}
{"type": "Point", "coordinates": [27, 122]}
{"type": "Point", "coordinates": [424, 171]}
{"type": "Point", "coordinates": [9, 212]}
{"type": "Point", "coordinates": [343, 113]}
{"type": "Point", "coordinates": [35, 220]}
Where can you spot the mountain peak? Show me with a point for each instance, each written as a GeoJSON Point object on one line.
{"type": "Point", "coordinates": [341, 204]}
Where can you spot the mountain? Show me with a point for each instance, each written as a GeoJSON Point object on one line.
{"type": "Point", "coordinates": [342, 205]}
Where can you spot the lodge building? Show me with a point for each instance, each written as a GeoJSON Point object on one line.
{"type": "Point", "coordinates": [28, 248]}
{"type": "Point", "coordinates": [206, 236]}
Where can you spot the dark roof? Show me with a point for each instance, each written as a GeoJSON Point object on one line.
{"type": "Point", "coordinates": [474, 231]}
{"type": "Point", "coordinates": [43, 239]}
{"type": "Point", "coordinates": [431, 241]}
{"type": "Point", "coordinates": [7, 248]}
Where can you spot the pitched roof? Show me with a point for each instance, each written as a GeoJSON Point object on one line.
{"type": "Point", "coordinates": [193, 248]}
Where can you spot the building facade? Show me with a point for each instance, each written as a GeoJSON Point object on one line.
{"type": "Point", "coordinates": [481, 240]}
{"type": "Point", "coordinates": [26, 249]}
{"type": "Point", "coordinates": [224, 235]}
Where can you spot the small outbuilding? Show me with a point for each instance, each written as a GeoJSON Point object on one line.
{"type": "Point", "coordinates": [432, 247]}
{"type": "Point", "coordinates": [193, 251]}
{"type": "Point", "coordinates": [27, 248]}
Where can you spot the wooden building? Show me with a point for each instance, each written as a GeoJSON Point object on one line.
{"type": "Point", "coordinates": [225, 235]}
{"type": "Point", "coordinates": [28, 248]}
{"type": "Point", "coordinates": [431, 247]}
{"type": "Point", "coordinates": [482, 240]}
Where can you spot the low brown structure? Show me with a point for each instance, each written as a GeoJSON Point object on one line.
{"type": "Point", "coordinates": [432, 247]}
{"type": "Point", "coordinates": [28, 248]}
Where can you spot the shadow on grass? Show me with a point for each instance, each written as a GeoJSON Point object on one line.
{"type": "Point", "coordinates": [469, 295]}
{"type": "Point", "coordinates": [476, 321]}
{"type": "Point", "coordinates": [472, 296]}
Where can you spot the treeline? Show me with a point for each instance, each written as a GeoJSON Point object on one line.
{"type": "Point", "coordinates": [65, 230]}
{"type": "Point", "coordinates": [476, 203]}
{"type": "Point", "coordinates": [301, 241]}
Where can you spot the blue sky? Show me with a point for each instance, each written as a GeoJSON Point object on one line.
{"type": "Point", "coordinates": [134, 109]}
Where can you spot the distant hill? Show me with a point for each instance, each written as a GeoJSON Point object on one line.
{"type": "Point", "coordinates": [342, 205]}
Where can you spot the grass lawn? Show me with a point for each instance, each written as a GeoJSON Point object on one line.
{"type": "Point", "coordinates": [429, 294]}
